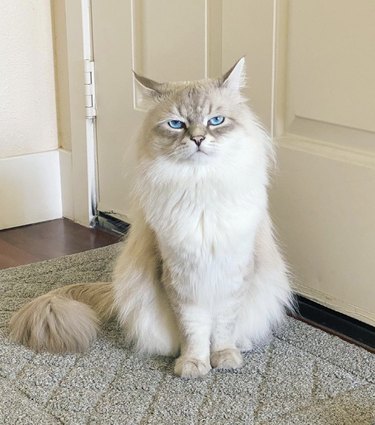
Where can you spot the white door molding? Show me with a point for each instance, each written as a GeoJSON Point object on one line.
{"type": "Point", "coordinates": [82, 206]}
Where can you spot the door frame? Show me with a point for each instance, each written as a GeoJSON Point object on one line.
{"type": "Point", "coordinates": [78, 166]}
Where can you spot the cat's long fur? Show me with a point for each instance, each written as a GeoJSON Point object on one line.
{"type": "Point", "coordinates": [200, 273]}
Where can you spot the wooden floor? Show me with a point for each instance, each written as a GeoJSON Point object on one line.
{"type": "Point", "coordinates": [51, 239]}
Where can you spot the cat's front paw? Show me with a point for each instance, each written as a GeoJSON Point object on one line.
{"type": "Point", "coordinates": [188, 367]}
{"type": "Point", "coordinates": [230, 358]}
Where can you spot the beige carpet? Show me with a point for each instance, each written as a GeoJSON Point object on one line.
{"type": "Point", "coordinates": [303, 376]}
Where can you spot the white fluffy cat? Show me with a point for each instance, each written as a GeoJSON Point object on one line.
{"type": "Point", "coordinates": [200, 274]}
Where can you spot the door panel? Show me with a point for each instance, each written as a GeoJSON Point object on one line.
{"type": "Point", "coordinates": [169, 39]}
{"type": "Point", "coordinates": [331, 62]}
{"type": "Point", "coordinates": [325, 218]}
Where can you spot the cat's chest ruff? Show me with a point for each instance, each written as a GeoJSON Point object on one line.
{"type": "Point", "coordinates": [208, 224]}
{"type": "Point", "coordinates": [203, 210]}
{"type": "Point", "coordinates": [199, 208]}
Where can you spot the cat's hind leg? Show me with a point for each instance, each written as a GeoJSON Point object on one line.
{"type": "Point", "coordinates": [267, 293]}
{"type": "Point", "coordinates": [142, 306]}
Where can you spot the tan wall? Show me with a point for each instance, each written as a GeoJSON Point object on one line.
{"type": "Point", "coordinates": [27, 87]}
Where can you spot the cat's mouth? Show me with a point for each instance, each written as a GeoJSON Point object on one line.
{"type": "Point", "coordinates": [198, 153]}
{"type": "Point", "coordinates": [199, 150]}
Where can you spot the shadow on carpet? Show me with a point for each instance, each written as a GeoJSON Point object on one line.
{"type": "Point", "coordinates": [303, 376]}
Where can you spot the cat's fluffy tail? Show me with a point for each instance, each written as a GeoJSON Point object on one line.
{"type": "Point", "coordinates": [64, 320]}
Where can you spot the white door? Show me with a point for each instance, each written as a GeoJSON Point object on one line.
{"type": "Point", "coordinates": [324, 197]}
{"type": "Point", "coordinates": [310, 66]}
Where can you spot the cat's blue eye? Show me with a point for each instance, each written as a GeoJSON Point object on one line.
{"type": "Point", "coordinates": [176, 124]}
{"type": "Point", "coordinates": [216, 120]}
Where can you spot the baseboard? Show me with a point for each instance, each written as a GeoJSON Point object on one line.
{"type": "Point", "coordinates": [336, 323]}
{"type": "Point", "coordinates": [30, 189]}
{"type": "Point", "coordinates": [344, 307]}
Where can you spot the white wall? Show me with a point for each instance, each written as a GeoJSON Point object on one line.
{"type": "Point", "coordinates": [27, 90]}
{"type": "Point", "coordinates": [28, 127]}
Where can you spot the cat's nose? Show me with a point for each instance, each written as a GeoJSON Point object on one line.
{"type": "Point", "coordinates": [197, 140]}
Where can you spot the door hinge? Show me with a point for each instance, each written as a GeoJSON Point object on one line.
{"type": "Point", "coordinates": [90, 101]}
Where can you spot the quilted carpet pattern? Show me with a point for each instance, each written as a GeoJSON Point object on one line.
{"type": "Point", "coordinates": [303, 376]}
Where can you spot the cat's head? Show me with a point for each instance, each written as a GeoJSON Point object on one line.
{"type": "Point", "coordinates": [194, 120]}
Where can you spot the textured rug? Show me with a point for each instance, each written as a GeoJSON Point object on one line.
{"type": "Point", "coordinates": [303, 376]}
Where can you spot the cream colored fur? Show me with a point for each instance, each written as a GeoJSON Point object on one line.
{"type": "Point", "coordinates": [59, 323]}
{"type": "Point", "coordinates": [200, 274]}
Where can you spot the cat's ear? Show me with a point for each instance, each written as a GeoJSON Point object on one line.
{"type": "Point", "coordinates": [235, 78]}
{"type": "Point", "coordinates": [150, 91]}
